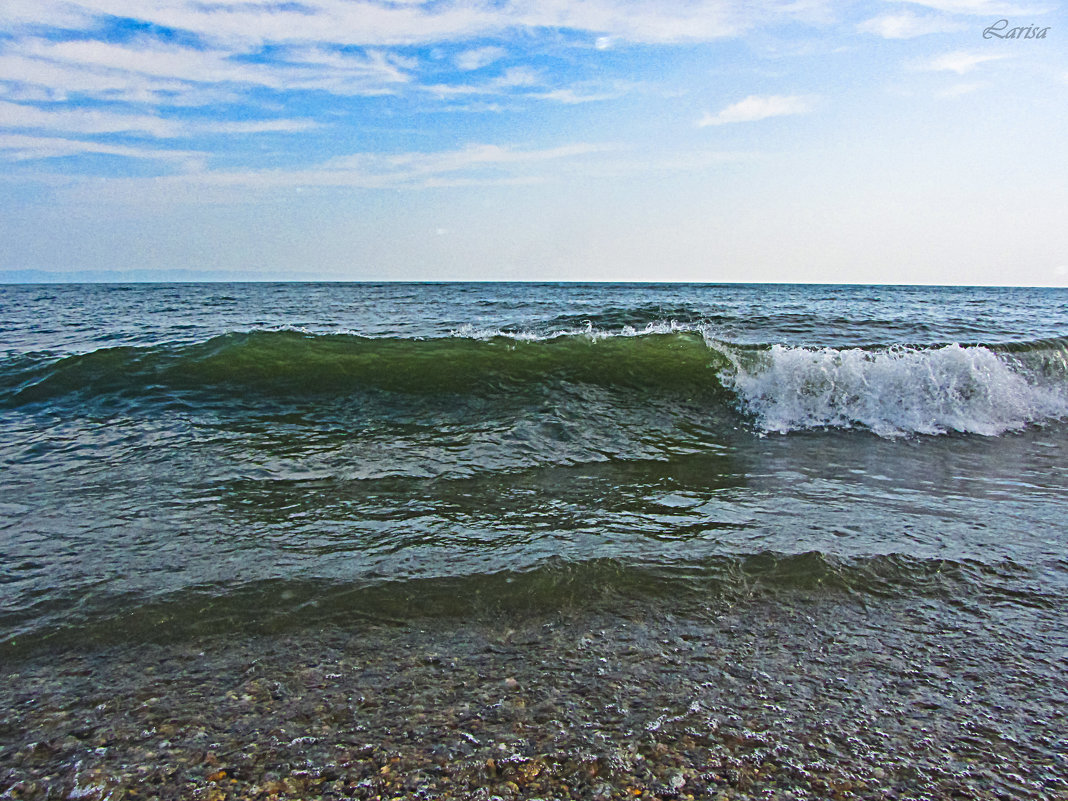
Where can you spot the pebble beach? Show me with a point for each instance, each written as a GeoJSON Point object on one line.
{"type": "Point", "coordinates": [738, 702]}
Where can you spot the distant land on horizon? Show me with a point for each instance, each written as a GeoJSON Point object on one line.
{"type": "Point", "coordinates": [149, 276]}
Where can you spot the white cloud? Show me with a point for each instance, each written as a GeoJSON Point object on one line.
{"type": "Point", "coordinates": [152, 72]}
{"type": "Point", "coordinates": [960, 89]}
{"type": "Point", "coordinates": [959, 61]}
{"type": "Point", "coordinates": [253, 126]}
{"type": "Point", "coordinates": [979, 8]}
{"type": "Point", "coordinates": [572, 96]}
{"type": "Point", "coordinates": [146, 57]}
{"type": "Point", "coordinates": [86, 121]}
{"type": "Point", "coordinates": [908, 25]}
{"type": "Point", "coordinates": [657, 165]}
{"type": "Point", "coordinates": [475, 165]}
{"type": "Point", "coordinates": [511, 79]}
{"type": "Point", "coordinates": [311, 44]}
{"type": "Point", "coordinates": [321, 55]}
{"type": "Point", "coordinates": [20, 93]}
{"type": "Point", "coordinates": [405, 168]}
{"type": "Point", "coordinates": [20, 147]}
{"type": "Point", "coordinates": [57, 81]}
{"type": "Point", "coordinates": [478, 58]}
{"type": "Point", "coordinates": [667, 21]}
{"type": "Point", "coordinates": [757, 107]}
{"type": "Point", "coordinates": [36, 14]}
{"type": "Point", "coordinates": [91, 121]}
{"type": "Point", "coordinates": [515, 77]}
{"type": "Point", "coordinates": [244, 24]}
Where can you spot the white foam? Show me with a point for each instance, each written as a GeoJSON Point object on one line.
{"type": "Point", "coordinates": [588, 331]}
{"type": "Point", "coordinates": [893, 392]}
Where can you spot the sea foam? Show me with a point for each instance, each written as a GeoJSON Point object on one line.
{"type": "Point", "coordinates": [895, 391]}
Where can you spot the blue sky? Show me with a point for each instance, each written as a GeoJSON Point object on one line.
{"type": "Point", "coordinates": [701, 140]}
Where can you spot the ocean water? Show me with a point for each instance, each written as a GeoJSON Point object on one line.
{"type": "Point", "coordinates": [887, 466]}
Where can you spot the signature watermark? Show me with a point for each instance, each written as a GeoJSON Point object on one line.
{"type": "Point", "coordinates": [1002, 30]}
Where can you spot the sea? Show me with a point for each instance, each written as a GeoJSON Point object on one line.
{"type": "Point", "coordinates": [819, 532]}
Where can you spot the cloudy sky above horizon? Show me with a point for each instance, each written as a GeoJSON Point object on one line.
{"type": "Point", "coordinates": [691, 140]}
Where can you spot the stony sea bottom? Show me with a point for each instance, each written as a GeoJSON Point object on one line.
{"type": "Point", "coordinates": [806, 696]}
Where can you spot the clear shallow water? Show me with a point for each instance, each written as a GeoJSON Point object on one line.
{"type": "Point", "coordinates": [820, 527]}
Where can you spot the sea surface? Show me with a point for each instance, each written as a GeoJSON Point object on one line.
{"type": "Point", "coordinates": [881, 472]}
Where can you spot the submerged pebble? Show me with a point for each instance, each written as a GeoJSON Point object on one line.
{"type": "Point", "coordinates": [360, 713]}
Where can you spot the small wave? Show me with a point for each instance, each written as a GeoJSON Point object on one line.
{"type": "Point", "coordinates": [903, 390]}
{"type": "Point", "coordinates": [550, 585]}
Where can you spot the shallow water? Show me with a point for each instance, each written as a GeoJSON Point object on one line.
{"type": "Point", "coordinates": [808, 695]}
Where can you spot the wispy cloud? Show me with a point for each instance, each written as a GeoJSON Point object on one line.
{"type": "Point", "coordinates": [907, 25]}
{"type": "Point", "coordinates": [45, 79]}
{"type": "Point", "coordinates": [475, 165]}
{"type": "Point", "coordinates": [759, 107]}
{"type": "Point", "coordinates": [489, 160]}
{"type": "Point", "coordinates": [21, 147]}
{"type": "Point", "coordinates": [476, 59]}
{"type": "Point", "coordinates": [573, 95]}
{"type": "Point", "coordinates": [41, 14]}
{"type": "Point", "coordinates": [516, 77]}
{"type": "Point", "coordinates": [981, 8]}
{"type": "Point", "coordinates": [252, 126]}
{"type": "Point", "coordinates": [151, 71]}
{"type": "Point", "coordinates": [959, 90]}
{"type": "Point", "coordinates": [19, 116]}
{"type": "Point", "coordinates": [662, 22]}
{"type": "Point", "coordinates": [225, 52]}
{"type": "Point", "coordinates": [246, 23]}
{"type": "Point", "coordinates": [959, 61]}
{"type": "Point", "coordinates": [511, 79]}
{"type": "Point", "coordinates": [83, 121]}
{"type": "Point", "coordinates": [471, 166]}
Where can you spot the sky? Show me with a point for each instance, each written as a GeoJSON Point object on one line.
{"type": "Point", "coordinates": [584, 140]}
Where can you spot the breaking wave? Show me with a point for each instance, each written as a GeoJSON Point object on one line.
{"type": "Point", "coordinates": [904, 390]}
{"type": "Point", "coordinates": [892, 391]}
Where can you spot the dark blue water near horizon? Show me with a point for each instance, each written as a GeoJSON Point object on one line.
{"type": "Point", "coordinates": [184, 461]}
{"type": "Point", "coordinates": [808, 314]}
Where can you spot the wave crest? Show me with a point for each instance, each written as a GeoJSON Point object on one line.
{"type": "Point", "coordinates": [900, 390]}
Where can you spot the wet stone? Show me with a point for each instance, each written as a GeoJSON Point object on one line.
{"type": "Point", "coordinates": [533, 708]}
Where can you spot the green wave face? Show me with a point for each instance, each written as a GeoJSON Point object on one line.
{"type": "Point", "coordinates": [291, 364]}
